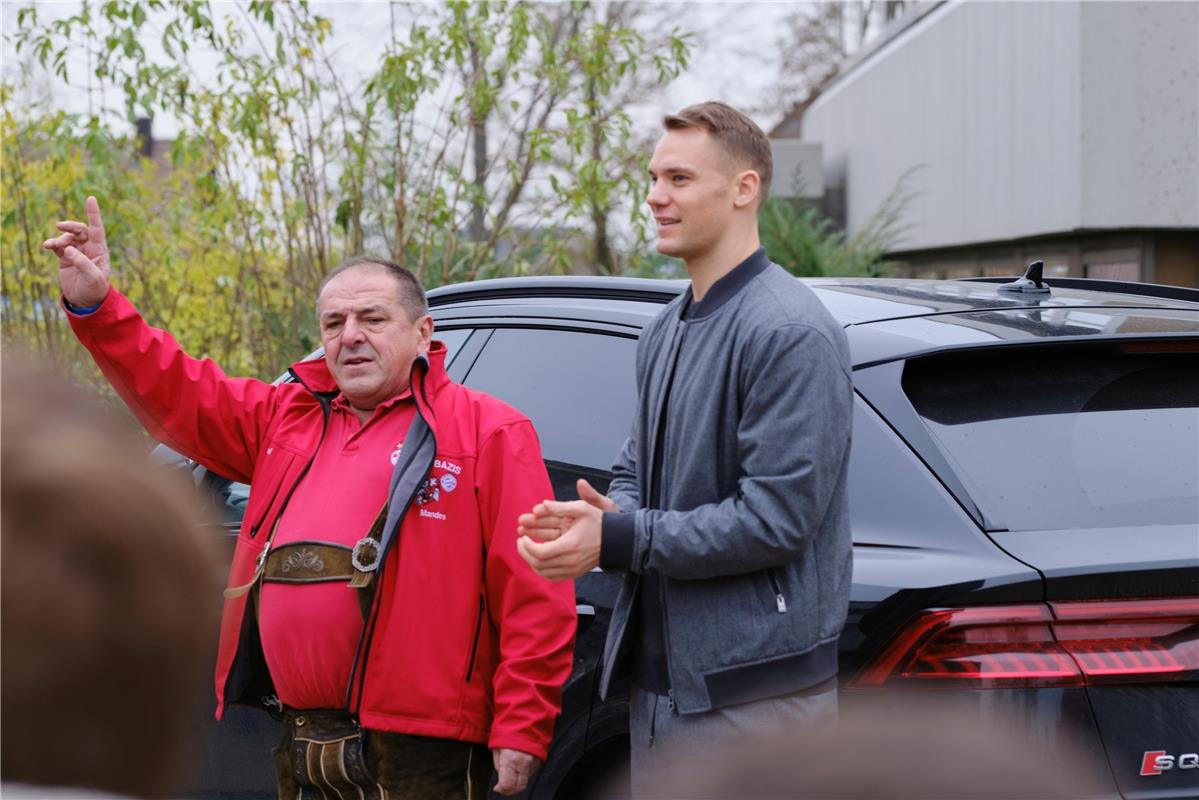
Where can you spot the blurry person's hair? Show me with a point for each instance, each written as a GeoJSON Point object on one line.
{"type": "Point", "coordinates": [739, 136]}
{"type": "Point", "coordinates": [107, 598]}
{"type": "Point", "coordinates": [892, 747]}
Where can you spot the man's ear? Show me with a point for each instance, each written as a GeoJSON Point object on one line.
{"type": "Point", "coordinates": [424, 327]}
{"type": "Point", "coordinates": [746, 189]}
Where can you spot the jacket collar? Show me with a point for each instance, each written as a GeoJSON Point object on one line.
{"type": "Point", "coordinates": [314, 375]}
{"type": "Point", "coordinates": [727, 287]}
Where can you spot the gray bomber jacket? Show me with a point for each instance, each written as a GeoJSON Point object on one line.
{"type": "Point", "coordinates": [751, 536]}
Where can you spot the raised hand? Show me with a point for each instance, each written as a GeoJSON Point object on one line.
{"type": "Point", "coordinates": [83, 265]}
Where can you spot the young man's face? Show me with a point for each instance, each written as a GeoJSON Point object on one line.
{"type": "Point", "coordinates": [692, 193]}
{"type": "Point", "coordinates": [370, 343]}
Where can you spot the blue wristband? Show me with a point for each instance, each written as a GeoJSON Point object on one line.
{"type": "Point", "coordinates": [81, 311]}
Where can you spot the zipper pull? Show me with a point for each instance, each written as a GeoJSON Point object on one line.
{"type": "Point", "coordinates": [782, 603]}
{"type": "Point", "coordinates": [653, 721]}
{"type": "Point", "coordinates": [674, 709]}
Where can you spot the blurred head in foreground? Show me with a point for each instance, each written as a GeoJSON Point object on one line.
{"type": "Point", "coordinates": [106, 598]}
{"type": "Point", "coordinates": [895, 748]}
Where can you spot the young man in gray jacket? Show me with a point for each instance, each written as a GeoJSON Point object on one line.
{"type": "Point", "coordinates": [728, 511]}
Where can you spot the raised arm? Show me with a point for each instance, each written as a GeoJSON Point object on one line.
{"type": "Point", "coordinates": [187, 403]}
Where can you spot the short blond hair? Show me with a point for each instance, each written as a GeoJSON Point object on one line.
{"type": "Point", "coordinates": [738, 135]}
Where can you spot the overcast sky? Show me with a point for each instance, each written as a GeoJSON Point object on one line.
{"type": "Point", "coordinates": [731, 59]}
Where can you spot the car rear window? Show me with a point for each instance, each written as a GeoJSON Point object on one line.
{"type": "Point", "coordinates": [1051, 437]}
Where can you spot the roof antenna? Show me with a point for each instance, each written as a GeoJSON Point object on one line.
{"type": "Point", "coordinates": [1030, 283]}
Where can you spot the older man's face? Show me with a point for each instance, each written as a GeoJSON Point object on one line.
{"type": "Point", "coordinates": [370, 343]}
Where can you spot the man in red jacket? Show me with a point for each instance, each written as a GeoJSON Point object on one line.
{"type": "Point", "coordinates": [375, 596]}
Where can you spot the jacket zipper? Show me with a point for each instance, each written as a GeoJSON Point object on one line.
{"type": "Point", "coordinates": [258, 526]}
{"type": "Point", "coordinates": [674, 709]}
{"type": "Point", "coordinates": [779, 600]}
{"type": "Point", "coordinates": [366, 638]}
{"type": "Point", "coordinates": [254, 531]}
{"type": "Point", "coordinates": [474, 646]}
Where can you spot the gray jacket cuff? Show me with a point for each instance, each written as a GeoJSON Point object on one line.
{"type": "Point", "coordinates": [617, 535]}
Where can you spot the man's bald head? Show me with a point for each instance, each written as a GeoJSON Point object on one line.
{"type": "Point", "coordinates": [410, 293]}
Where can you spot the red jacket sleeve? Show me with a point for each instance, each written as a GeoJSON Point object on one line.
{"type": "Point", "coordinates": [535, 618]}
{"type": "Point", "coordinates": [186, 403]}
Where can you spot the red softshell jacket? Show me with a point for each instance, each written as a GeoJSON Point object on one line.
{"type": "Point", "coordinates": [465, 640]}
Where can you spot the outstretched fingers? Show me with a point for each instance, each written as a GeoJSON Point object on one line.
{"type": "Point", "coordinates": [570, 509]}
{"type": "Point", "coordinates": [542, 529]}
{"type": "Point", "coordinates": [550, 518]}
{"type": "Point", "coordinates": [93, 219]}
{"type": "Point", "coordinates": [546, 558]}
{"type": "Point", "coordinates": [72, 236]}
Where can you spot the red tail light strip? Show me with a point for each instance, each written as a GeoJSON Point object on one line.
{"type": "Point", "coordinates": [1053, 644]}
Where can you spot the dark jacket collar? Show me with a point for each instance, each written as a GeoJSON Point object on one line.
{"type": "Point", "coordinates": [727, 287]}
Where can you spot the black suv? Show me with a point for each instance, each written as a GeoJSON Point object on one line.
{"type": "Point", "coordinates": [1024, 500]}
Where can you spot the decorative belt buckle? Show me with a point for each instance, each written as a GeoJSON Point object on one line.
{"type": "Point", "coordinates": [372, 553]}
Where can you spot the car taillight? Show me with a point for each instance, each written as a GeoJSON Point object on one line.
{"type": "Point", "coordinates": [1077, 643]}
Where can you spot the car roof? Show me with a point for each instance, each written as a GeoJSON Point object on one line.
{"type": "Point", "coordinates": [885, 318]}
{"type": "Point", "coordinates": [852, 301]}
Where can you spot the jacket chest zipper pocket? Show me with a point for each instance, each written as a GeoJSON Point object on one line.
{"type": "Point", "coordinates": [474, 645]}
{"type": "Point", "coordinates": [779, 601]}
{"type": "Point", "coordinates": [262, 511]}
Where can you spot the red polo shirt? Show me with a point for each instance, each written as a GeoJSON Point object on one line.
{"type": "Point", "coordinates": [310, 631]}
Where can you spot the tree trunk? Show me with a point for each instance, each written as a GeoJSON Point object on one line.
{"type": "Point", "coordinates": [478, 130]}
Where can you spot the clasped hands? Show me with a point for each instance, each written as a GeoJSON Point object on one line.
{"type": "Point", "coordinates": [561, 540]}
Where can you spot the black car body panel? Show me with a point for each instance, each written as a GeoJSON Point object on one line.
{"type": "Point", "coordinates": [925, 537]}
{"type": "Point", "coordinates": [878, 342]}
{"type": "Point", "coordinates": [1110, 562]}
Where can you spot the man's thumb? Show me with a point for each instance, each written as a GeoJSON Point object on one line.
{"type": "Point", "coordinates": [588, 494]}
{"type": "Point", "coordinates": [82, 263]}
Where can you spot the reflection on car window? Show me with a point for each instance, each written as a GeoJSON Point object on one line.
{"type": "Point", "coordinates": [577, 388]}
{"type": "Point", "coordinates": [1068, 438]}
{"type": "Point", "coordinates": [453, 340]}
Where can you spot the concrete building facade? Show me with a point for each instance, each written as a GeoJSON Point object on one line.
{"type": "Point", "coordinates": [1067, 132]}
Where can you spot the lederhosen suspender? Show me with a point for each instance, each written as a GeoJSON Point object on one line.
{"type": "Point", "coordinates": [322, 562]}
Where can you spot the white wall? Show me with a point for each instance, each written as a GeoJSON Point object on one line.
{"type": "Point", "coordinates": [1022, 119]}
{"type": "Point", "coordinates": [1140, 114]}
{"type": "Point", "coordinates": [797, 165]}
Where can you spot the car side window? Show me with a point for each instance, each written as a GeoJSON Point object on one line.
{"type": "Point", "coordinates": [453, 340]}
{"type": "Point", "coordinates": [577, 388]}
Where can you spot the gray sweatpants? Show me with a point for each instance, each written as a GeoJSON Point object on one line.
{"type": "Point", "coordinates": [663, 743]}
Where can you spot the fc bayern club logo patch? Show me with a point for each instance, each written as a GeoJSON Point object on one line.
{"type": "Point", "coordinates": [449, 482]}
